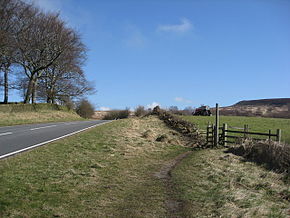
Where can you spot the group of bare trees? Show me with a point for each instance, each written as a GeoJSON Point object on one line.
{"type": "Point", "coordinates": [41, 53]}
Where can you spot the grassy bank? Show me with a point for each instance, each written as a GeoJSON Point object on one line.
{"type": "Point", "coordinates": [259, 124]}
{"type": "Point", "coordinates": [14, 114]}
{"type": "Point", "coordinates": [110, 171]}
{"type": "Point", "coordinates": [106, 171]}
{"type": "Point", "coordinates": [212, 183]}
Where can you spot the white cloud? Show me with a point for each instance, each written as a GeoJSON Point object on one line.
{"type": "Point", "coordinates": [134, 37]}
{"type": "Point", "coordinates": [105, 108]}
{"type": "Point", "coordinates": [182, 100]}
{"type": "Point", "coordinates": [183, 27]}
{"type": "Point", "coordinates": [136, 40]}
{"type": "Point", "coordinates": [152, 105]}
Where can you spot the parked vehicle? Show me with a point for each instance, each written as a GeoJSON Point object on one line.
{"type": "Point", "coordinates": [202, 111]}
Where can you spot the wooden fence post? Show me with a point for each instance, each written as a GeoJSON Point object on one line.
{"type": "Point", "coordinates": [207, 133]}
{"type": "Point", "coordinates": [278, 139]}
{"type": "Point", "coordinates": [225, 128]}
{"type": "Point", "coordinates": [216, 129]}
{"type": "Point", "coordinates": [269, 134]}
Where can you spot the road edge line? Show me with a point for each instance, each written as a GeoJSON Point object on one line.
{"type": "Point", "coordinates": [52, 140]}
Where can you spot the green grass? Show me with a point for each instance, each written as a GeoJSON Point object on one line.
{"type": "Point", "coordinates": [14, 114]}
{"type": "Point", "coordinates": [256, 124]}
{"type": "Point", "coordinates": [214, 184]}
{"type": "Point", "coordinates": [108, 171]}
{"type": "Point", "coordinates": [104, 172]}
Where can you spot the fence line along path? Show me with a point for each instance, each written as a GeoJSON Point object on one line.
{"type": "Point", "coordinates": [232, 135]}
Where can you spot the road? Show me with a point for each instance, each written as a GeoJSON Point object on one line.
{"type": "Point", "coordinates": [16, 139]}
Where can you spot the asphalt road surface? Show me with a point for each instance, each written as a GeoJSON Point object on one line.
{"type": "Point", "coordinates": [15, 139]}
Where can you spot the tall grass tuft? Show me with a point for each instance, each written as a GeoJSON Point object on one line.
{"type": "Point", "coordinates": [275, 155]}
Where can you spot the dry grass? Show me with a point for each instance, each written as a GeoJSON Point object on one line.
{"type": "Point", "coordinates": [274, 155]}
{"type": "Point", "coordinates": [7, 119]}
{"type": "Point", "coordinates": [216, 184]}
{"type": "Point", "coordinates": [107, 171]}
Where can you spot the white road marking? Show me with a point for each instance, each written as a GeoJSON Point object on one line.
{"type": "Point", "coordinates": [5, 133]}
{"type": "Point", "coordinates": [43, 127]}
{"type": "Point", "coordinates": [52, 140]}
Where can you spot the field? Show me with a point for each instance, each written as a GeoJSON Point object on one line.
{"type": "Point", "coordinates": [256, 124]}
{"type": "Point", "coordinates": [120, 169]}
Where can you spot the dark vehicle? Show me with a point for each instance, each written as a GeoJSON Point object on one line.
{"type": "Point", "coordinates": [202, 111]}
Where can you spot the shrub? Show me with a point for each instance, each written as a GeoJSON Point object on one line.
{"type": "Point", "coordinates": [117, 114]}
{"type": "Point", "coordinates": [85, 109]}
{"type": "Point", "coordinates": [275, 155]}
{"type": "Point", "coordinates": [66, 101]}
{"type": "Point", "coordinates": [140, 111]}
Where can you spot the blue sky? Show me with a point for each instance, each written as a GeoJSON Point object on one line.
{"type": "Point", "coordinates": [183, 53]}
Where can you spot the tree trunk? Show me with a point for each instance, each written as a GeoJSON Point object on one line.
{"type": "Point", "coordinates": [52, 95]}
{"type": "Point", "coordinates": [33, 94]}
{"type": "Point", "coordinates": [5, 101]}
{"type": "Point", "coordinates": [28, 91]}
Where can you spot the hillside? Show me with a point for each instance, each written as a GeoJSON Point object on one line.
{"type": "Point", "coordinates": [278, 102]}
{"type": "Point", "coordinates": [14, 114]}
{"type": "Point", "coordinates": [277, 108]}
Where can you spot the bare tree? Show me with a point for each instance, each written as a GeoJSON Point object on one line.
{"type": "Point", "coordinates": [40, 46]}
{"type": "Point", "coordinates": [49, 53]}
{"type": "Point", "coordinates": [65, 77]}
{"type": "Point", "coordinates": [173, 109]}
{"type": "Point", "coordinates": [8, 13]}
{"type": "Point", "coordinates": [188, 110]}
{"type": "Point", "coordinates": [56, 85]}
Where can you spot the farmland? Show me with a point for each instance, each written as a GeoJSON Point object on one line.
{"type": "Point", "coordinates": [256, 124]}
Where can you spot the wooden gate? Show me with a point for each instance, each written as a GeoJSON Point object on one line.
{"type": "Point", "coordinates": [234, 135]}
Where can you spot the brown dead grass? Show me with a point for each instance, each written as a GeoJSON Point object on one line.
{"type": "Point", "coordinates": [143, 132]}
{"type": "Point", "coordinates": [216, 184]}
{"type": "Point", "coordinates": [276, 156]}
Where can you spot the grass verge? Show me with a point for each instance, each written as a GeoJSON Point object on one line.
{"type": "Point", "coordinates": [110, 171]}
{"type": "Point", "coordinates": [17, 118]}
{"type": "Point", "coordinates": [104, 172]}
{"type": "Point", "coordinates": [212, 183]}
{"type": "Point", "coordinates": [15, 114]}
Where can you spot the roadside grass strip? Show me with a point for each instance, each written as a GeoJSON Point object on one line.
{"type": "Point", "coordinates": [105, 171]}
{"type": "Point", "coordinates": [110, 171]}
{"type": "Point", "coordinates": [212, 183]}
{"type": "Point", "coordinates": [44, 116]}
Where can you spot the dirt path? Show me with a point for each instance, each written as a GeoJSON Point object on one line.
{"type": "Point", "coordinates": [173, 205]}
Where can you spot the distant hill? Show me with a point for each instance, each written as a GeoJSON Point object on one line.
{"type": "Point", "coordinates": [277, 102]}
{"type": "Point", "coordinates": [276, 107]}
